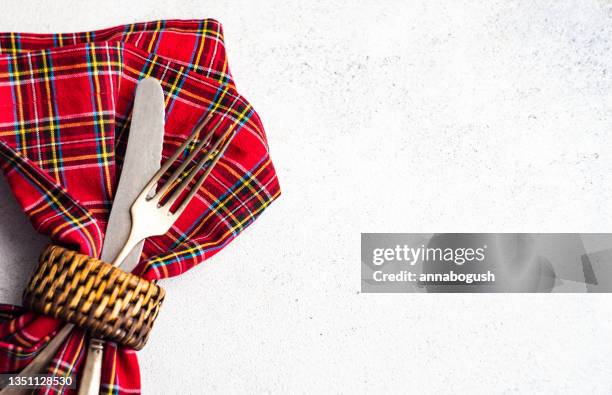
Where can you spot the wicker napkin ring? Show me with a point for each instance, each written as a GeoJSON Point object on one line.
{"type": "Point", "coordinates": [94, 295]}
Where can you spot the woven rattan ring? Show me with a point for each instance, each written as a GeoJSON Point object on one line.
{"type": "Point", "coordinates": [96, 296]}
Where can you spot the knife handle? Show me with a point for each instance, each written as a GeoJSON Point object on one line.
{"type": "Point", "coordinates": [90, 380]}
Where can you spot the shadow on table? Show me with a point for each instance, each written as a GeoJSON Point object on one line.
{"type": "Point", "coordinates": [20, 246]}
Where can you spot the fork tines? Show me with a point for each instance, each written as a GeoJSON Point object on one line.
{"type": "Point", "coordinates": [210, 159]}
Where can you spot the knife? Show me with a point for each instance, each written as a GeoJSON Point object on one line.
{"type": "Point", "coordinates": [142, 160]}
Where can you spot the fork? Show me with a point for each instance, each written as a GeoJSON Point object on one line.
{"type": "Point", "coordinates": [152, 215]}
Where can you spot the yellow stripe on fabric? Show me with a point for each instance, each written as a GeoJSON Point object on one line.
{"type": "Point", "coordinates": [151, 68]}
{"type": "Point", "coordinates": [20, 123]}
{"type": "Point", "coordinates": [201, 47]}
{"type": "Point", "coordinates": [124, 127]}
{"type": "Point", "coordinates": [130, 31]}
{"type": "Point", "coordinates": [47, 128]}
{"type": "Point", "coordinates": [76, 356]}
{"type": "Point", "coordinates": [79, 222]}
{"type": "Point", "coordinates": [174, 84]}
{"type": "Point", "coordinates": [56, 69]}
{"type": "Point", "coordinates": [14, 50]}
{"type": "Point", "coordinates": [155, 33]}
{"type": "Point", "coordinates": [223, 72]}
{"type": "Point", "coordinates": [119, 57]}
{"type": "Point", "coordinates": [113, 375]}
{"type": "Point", "coordinates": [77, 158]}
{"type": "Point", "coordinates": [52, 128]}
{"type": "Point", "coordinates": [105, 155]}
{"type": "Point", "coordinates": [100, 211]}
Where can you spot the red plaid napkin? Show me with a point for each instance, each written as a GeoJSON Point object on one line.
{"type": "Point", "coordinates": [65, 105]}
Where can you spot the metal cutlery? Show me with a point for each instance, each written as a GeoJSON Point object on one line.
{"type": "Point", "coordinates": [142, 159]}
{"type": "Point", "coordinates": [153, 212]}
{"type": "Point", "coordinates": [152, 215]}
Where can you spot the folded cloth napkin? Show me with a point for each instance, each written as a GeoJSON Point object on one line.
{"type": "Point", "coordinates": [65, 105]}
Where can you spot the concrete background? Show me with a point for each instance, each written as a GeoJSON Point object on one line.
{"type": "Point", "coordinates": [385, 116]}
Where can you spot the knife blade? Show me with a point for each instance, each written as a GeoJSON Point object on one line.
{"type": "Point", "coordinates": [142, 160]}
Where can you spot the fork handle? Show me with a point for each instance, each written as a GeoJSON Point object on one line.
{"type": "Point", "coordinates": [129, 245]}
{"type": "Point", "coordinates": [92, 372]}
{"type": "Point", "coordinates": [90, 381]}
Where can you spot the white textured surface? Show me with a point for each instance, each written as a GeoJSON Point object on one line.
{"type": "Point", "coordinates": [388, 116]}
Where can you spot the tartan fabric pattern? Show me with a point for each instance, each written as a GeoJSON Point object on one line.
{"type": "Point", "coordinates": [65, 108]}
